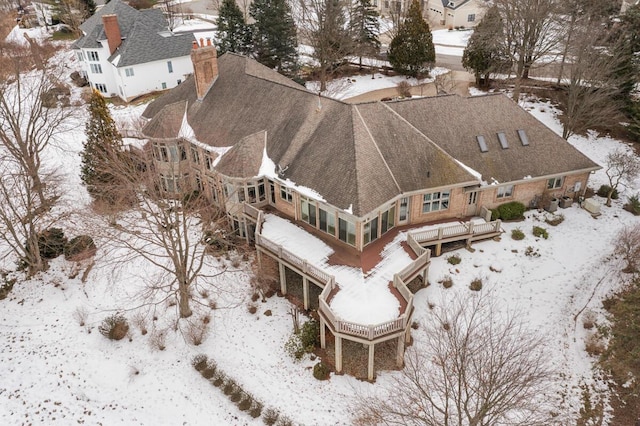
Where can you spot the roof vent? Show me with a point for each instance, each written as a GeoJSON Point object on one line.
{"type": "Point", "coordinates": [523, 137]}
{"type": "Point", "coordinates": [503, 140]}
{"type": "Point", "coordinates": [482, 143]}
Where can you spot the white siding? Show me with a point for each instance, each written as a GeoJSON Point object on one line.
{"type": "Point", "coordinates": [149, 77]}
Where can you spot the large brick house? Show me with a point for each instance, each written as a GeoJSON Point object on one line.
{"type": "Point", "coordinates": [352, 174]}
{"type": "Point", "coordinates": [353, 171]}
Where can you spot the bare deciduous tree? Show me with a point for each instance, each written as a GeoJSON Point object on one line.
{"type": "Point", "coordinates": [167, 226]}
{"type": "Point", "coordinates": [475, 367]}
{"type": "Point", "coordinates": [621, 166]}
{"type": "Point", "coordinates": [325, 27]}
{"type": "Point", "coordinates": [73, 13]}
{"type": "Point", "coordinates": [628, 246]}
{"type": "Point", "coordinates": [30, 121]}
{"type": "Point", "coordinates": [532, 29]}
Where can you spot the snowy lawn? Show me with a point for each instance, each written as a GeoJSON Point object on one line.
{"type": "Point", "coordinates": [54, 371]}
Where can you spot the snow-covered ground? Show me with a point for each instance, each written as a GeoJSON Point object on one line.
{"type": "Point", "coordinates": [55, 372]}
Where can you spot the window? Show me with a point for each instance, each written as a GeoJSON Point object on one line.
{"type": "Point", "coordinates": [386, 4]}
{"type": "Point", "coordinates": [199, 185]}
{"type": "Point", "coordinates": [261, 192]}
{"type": "Point", "coordinates": [286, 194]}
{"type": "Point", "coordinates": [503, 140]}
{"type": "Point", "coordinates": [80, 56]}
{"type": "Point", "coordinates": [435, 201]}
{"type": "Point", "coordinates": [93, 56]}
{"type": "Point", "coordinates": [128, 72]}
{"type": "Point", "coordinates": [170, 67]}
{"type": "Point", "coordinates": [308, 211]}
{"type": "Point", "coordinates": [404, 209]}
{"type": "Point", "coordinates": [370, 231]}
{"type": "Point", "coordinates": [482, 143]}
{"type": "Point", "coordinates": [505, 191]}
{"type": "Point", "coordinates": [208, 161]}
{"type": "Point", "coordinates": [327, 222]}
{"type": "Point", "coordinates": [523, 137]}
{"type": "Point", "coordinates": [195, 157]}
{"type": "Point", "coordinates": [179, 81]}
{"type": "Point", "coordinates": [471, 17]}
{"type": "Point", "coordinates": [164, 85]}
{"type": "Point", "coordinates": [347, 231]}
{"type": "Point", "coordinates": [214, 190]}
{"type": "Point", "coordinates": [241, 194]}
{"type": "Point", "coordinates": [160, 152]}
{"type": "Point", "coordinates": [96, 68]}
{"type": "Point", "coordinates": [388, 220]}
{"type": "Point", "coordinates": [555, 183]}
{"type": "Point", "coordinates": [102, 88]}
{"type": "Point", "coordinates": [173, 183]}
{"type": "Point", "coordinates": [251, 193]}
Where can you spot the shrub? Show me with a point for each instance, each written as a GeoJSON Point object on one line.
{"type": "Point", "coordinates": [6, 286]}
{"type": "Point", "coordinates": [555, 219]}
{"type": "Point", "coordinates": [270, 416]}
{"type": "Point", "coordinates": [539, 231]}
{"type": "Point", "coordinates": [140, 321]}
{"type": "Point", "coordinates": [252, 308]}
{"type": "Point", "coordinates": [531, 252]}
{"type": "Point", "coordinates": [80, 247]}
{"type": "Point", "coordinates": [199, 362]}
{"type": "Point", "coordinates": [158, 339]}
{"type": "Point", "coordinates": [230, 386]}
{"type": "Point", "coordinates": [80, 314]}
{"type": "Point", "coordinates": [633, 204]}
{"type": "Point", "coordinates": [594, 345]}
{"type": "Point", "coordinates": [245, 402]}
{"type": "Point", "coordinates": [219, 379]}
{"type": "Point", "coordinates": [51, 243]}
{"type": "Point", "coordinates": [210, 369]}
{"type": "Point", "coordinates": [447, 281]}
{"type": "Point", "coordinates": [256, 409]}
{"type": "Point", "coordinates": [404, 89]}
{"type": "Point", "coordinates": [237, 394]}
{"type": "Point", "coordinates": [196, 332]}
{"type": "Point", "coordinates": [509, 211]}
{"type": "Point", "coordinates": [476, 284]}
{"type": "Point", "coordinates": [454, 259]}
{"type": "Point", "coordinates": [603, 191]}
{"type": "Point", "coordinates": [114, 327]}
{"type": "Point", "coordinates": [284, 421]}
{"type": "Point", "coordinates": [517, 234]}
{"type": "Point", "coordinates": [589, 320]}
{"type": "Point", "coordinates": [310, 335]}
{"type": "Point", "coordinates": [321, 371]}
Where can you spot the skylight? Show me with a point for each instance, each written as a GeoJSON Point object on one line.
{"type": "Point", "coordinates": [523, 137]}
{"type": "Point", "coordinates": [503, 140]}
{"type": "Point", "coordinates": [482, 143]}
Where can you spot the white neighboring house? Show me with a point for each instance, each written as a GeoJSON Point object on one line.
{"type": "Point", "coordinates": [455, 13]}
{"type": "Point", "coordinates": [126, 52]}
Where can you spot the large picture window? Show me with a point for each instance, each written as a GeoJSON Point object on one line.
{"type": "Point", "coordinates": [370, 231]}
{"type": "Point", "coordinates": [388, 219]}
{"type": "Point", "coordinates": [327, 221]}
{"type": "Point", "coordinates": [435, 201]}
{"type": "Point", "coordinates": [308, 211]}
{"type": "Point", "coordinates": [347, 231]}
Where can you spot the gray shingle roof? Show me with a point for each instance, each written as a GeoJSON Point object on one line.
{"type": "Point", "coordinates": [361, 155]}
{"type": "Point", "coordinates": [144, 32]}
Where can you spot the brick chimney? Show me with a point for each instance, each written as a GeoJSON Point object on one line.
{"type": "Point", "coordinates": [205, 66]}
{"type": "Point", "coordinates": [112, 30]}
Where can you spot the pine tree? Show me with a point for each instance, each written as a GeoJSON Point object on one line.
{"type": "Point", "coordinates": [365, 27]}
{"type": "Point", "coordinates": [484, 52]}
{"type": "Point", "coordinates": [411, 51]}
{"type": "Point", "coordinates": [274, 35]}
{"type": "Point", "coordinates": [102, 147]}
{"type": "Point", "coordinates": [233, 33]}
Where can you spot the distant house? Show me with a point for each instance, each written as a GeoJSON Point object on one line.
{"type": "Point", "coordinates": [351, 174]}
{"type": "Point", "coordinates": [454, 13]}
{"type": "Point", "coordinates": [126, 52]}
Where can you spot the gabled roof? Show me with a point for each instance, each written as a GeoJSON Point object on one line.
{"type": "Point", "coordinates": [454, 4]}
{"type": "Point", "coordinates": [359, 155]}
{"type": "Point", "coordinates": [145, 35]}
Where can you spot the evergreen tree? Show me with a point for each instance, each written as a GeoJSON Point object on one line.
{"type": "Point", "coordinates": [365, 27]}
{"type": "Point", "coordinates": [274, 35]}
{"type": "Point", "coordinates": [90, 5]}
{"type": "Point", "coordinates": [102, 147]}
{"type": "Point", "coordinates": [629, 69]}
{"type": "Point", "coordinates": [411, 51]}
{"type": "Point", "coordinates": [484, 52]}
{"type": "Point", "coordinates": [233, 33]}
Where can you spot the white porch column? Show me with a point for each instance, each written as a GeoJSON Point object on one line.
{"type": "Point", "coordinates": [305, 292]}
{"type": "Point", "coordinates": [371, 361]}
{"type": "Point", "coordinates": [338, 354]}
{"type": "Point", "coordinates": [323, 336]}
{"type": "Point", "coordinates": [283, 278]}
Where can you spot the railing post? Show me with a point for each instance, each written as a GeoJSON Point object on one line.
{"type": "Point", "coordinates": [498, 225]}
{"type": "Point", "coordinates": [470, 227]}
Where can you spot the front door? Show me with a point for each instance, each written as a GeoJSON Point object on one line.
{"type": "Point", "coordinates": [472, 203]}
